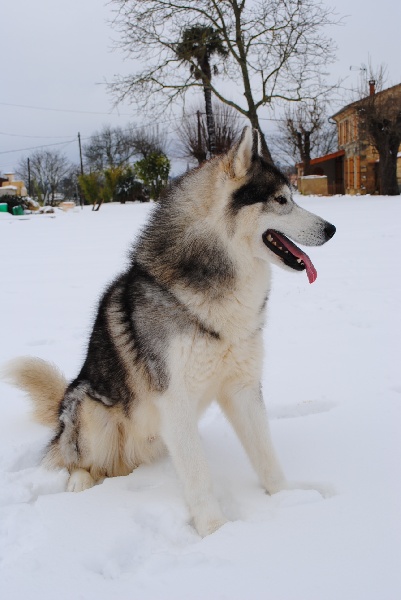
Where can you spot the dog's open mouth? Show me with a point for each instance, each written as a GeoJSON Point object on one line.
{"type": "Point", "coordinates": [289, 253]}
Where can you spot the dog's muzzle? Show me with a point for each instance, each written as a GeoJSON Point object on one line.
{"type": "Point", "coordinates": [290, 254]}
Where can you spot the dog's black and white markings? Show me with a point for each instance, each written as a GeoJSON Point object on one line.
{"type": "Point", "coordinates": [181, 327]}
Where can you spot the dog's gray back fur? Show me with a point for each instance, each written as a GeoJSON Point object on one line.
{"type": "Point", "coordinates": [139, 301]}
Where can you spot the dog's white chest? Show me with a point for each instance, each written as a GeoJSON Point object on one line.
{"type": "Point", "coordinates": [204, 364]}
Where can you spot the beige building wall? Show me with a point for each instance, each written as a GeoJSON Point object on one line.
{"type": "Point", "coordinates": [313, 185]}
{"type": "Point", "coordinates": [20, 189]}
{"type": "Point", "coordinates": [360, 161]}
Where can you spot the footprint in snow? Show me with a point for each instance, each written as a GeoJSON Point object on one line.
{"type": "Point", "coordinates": [302, 409]}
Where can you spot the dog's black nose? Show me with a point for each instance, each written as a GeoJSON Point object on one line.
{"type": "Point", "coordinates": [329, 231]}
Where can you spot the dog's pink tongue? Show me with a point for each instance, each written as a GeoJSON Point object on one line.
{"type": "Point", "coordinates": [297, 252]}
{"type": "Point", "coordinates": [310, 269]}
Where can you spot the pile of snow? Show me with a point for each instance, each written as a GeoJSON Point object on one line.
{"type": "Point", "coordinates": [332, 385]}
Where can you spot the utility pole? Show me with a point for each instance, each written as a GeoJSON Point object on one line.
{"type": "Point", "coordinates": [80, 153]}
{"type": "Point", "coordinates": [29, 177]}
{"type": "Point", "coordinates": [81, 200]}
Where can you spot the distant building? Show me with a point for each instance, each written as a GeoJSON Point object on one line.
{"type": "Point", "coordinates": [11, 187]}
{"type": "Point", "coordinates": [331, 165]}
{"type": "Point", "coordinates": [353, 169]}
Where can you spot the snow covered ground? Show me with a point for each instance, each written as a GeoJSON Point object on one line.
{"type": "Point", "coordinates": [332, 385]}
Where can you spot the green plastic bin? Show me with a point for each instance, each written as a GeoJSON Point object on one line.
{"type": "Point", "coordinates": [3, 207]}
{"type": "Point", "coordinates": [18, 210]}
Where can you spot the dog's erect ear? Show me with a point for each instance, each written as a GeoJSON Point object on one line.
{"type": "Point", "coordinates": [248, 147]}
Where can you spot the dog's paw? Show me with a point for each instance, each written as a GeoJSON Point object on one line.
{"type": "Point", "coordinates": [273, 486]}
{"type": "Point", "coordinates": [80, 480]}
{"type": "Point", "coordinates": [207, 526]}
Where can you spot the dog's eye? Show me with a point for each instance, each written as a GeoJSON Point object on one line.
{"type": "Point", "coordinates": [281, 199]}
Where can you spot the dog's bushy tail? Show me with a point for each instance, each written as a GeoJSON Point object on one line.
{"type": "Point", "coordinates": [43, 382]}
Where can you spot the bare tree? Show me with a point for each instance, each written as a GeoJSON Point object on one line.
{"type": "Point", "coordinates": [147, 140]}
{"type": "Point", "coordinates": [193, 132]}
{"type": "Point", "coordinates": [379, 114]}
{"type": "Point", "coordinates": [48, 169]}
{"type": "Point", "coordinates": [115, 147]}
{"type": "Point", "coordinates": [107, 148]}
{"type": "Point", "coordinates": [305, 133]}
{"type": "Point", "coordinates": [69, 184]}
{"type": "Point", "coordinates": [276, 50]}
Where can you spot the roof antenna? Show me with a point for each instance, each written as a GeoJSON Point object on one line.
{"type": "Point", "coordinates": [361, 68]}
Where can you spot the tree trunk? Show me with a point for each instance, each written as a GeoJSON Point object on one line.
{"type": "Point", "coordinates": [251, 112]}
{"type": "Point", "coordinates": [253, 117]}
{"type": "Point", "coordinates": [388, 173]}
{"type": "Point", "coordinates": [199, 153]}
{"type": "Point", "coordinates": [384, 129]}
{"type": "Point", "coordinates": [305, 152]}
{"type": "Point", "coordinates": [211, 130]}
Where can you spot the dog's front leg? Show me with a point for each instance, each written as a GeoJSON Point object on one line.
{"type": "Point", "coordinates": [246, 411]}
{"type": "Point", "coordinates": [180, 433]}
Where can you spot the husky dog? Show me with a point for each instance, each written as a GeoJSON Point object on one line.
{"type": "Point", "coordinates": [181, 327]}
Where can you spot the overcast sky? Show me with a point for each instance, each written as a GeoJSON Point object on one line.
{"type": "Point", "coordinates": [56, 56]}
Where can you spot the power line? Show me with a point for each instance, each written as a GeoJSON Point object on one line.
{"type": "Point", "coordinates": [37, 147]}
{"type": "Point", "coordinates": [68, 110]}
{"type": "Point", "coordinates": [94, 136]}
{"type": "Point", "coordinates": [89, 137]}
{"type": "Point", "coordinates": [41, 137]}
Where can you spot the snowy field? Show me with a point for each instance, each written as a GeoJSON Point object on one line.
{"type": "Point", "coordinates": [332, 385]}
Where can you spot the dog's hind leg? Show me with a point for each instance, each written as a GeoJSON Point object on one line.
{"type": "Point", "coordinates": [89, 441]}
{"type": "Point", "coordinates": [246, 411]}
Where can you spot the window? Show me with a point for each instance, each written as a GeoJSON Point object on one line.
{"type": "Point", "coordinates": [351, 179]}
{"type": "Point", "coordinates": [358, 172]}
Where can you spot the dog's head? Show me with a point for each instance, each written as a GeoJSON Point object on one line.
{"type": "Point", "coordinates": [260, 199]}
